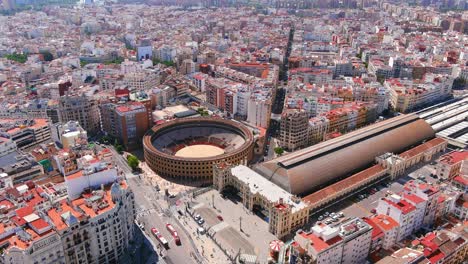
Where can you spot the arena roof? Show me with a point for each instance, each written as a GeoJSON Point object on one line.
{"type": "Point", "coordinates": [307, 170]}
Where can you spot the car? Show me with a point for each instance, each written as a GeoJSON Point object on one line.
{"type": "Point", "coordinates": [326, 214]}
{"type": "Point", "coordinates": [332, 215]}
{"type": "Point", "coordinates": [328, 221]}
{"type": "Point", "coordinates": [201, 221]}
{"type": "Point", "coordinates": [220, 218]}
{"type": "Point", "coordinates": [320, 218]}
{"type": "Point", "coordinates": [172, 196]}
{"type": "Point", "coordinates": [373, 211]}
{"type": "Point", "coordinates": [201, 230]}
{"type": "Point", "coordinates": [197, 217]}
{"type": "Point", "coordinates": [361, 196]}
{"type": "Point", "coordinates": [341, 214]}
{"type": "Point", "coordinates": [335, 219]}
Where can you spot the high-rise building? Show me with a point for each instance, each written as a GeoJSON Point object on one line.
{"type": "Point", "coordinates": [128, 122]}
{"type": "Point", "coordinates": [259, 110]}
{"type": "Point", "coordinates": [294, 129]}
{"type": "Point", "coordinates": [144, 50]}
{"type": "Point", "coordinates": [82, 109]}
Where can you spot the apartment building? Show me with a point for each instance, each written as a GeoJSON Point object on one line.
{"type": "Point", "coordinates": [142, 80]}
{"type": "Point", "coordinates": [26, 133]}
{"type": "Point", "coordinates": [389, 228]}
{"type": "Point", "coordinates": [430, 196]}
{"type": "Point", "coordinates": [20, 167]}
{"type": "Point", "coordinates": [318, 129]}
{"type": "Point", "coordinates": [347, 242]}
{"type": "Point", "coordinates": [126, 122]}
{"type": "Point", "coordinates": [294, 129]}
{"type": "Point", "coordinates": [7, 146]}
{"type": "Point", "coordinates": [449, 165]}
{"type": "Point", "coordinates": [259, 109]}
{"type": "Point", "coordinates": [406, 96]}
{"type": "Point", "coordinates": [94, 228]}
{"type": "Point", "coordinates": [69, 134]}
{"type": "Point", "coordinates": [297, 131]}
{"type": "Point", "coordinates": [402, 211]}
{"type": "Point", "coordinates": [82, 109]}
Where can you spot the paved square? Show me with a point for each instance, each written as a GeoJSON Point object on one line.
{"type": "Point", "coordinates": [254, 238]}
{"type": "Point", "coordinates": [235, 241]}
{"type": "Point", "coordinates": [209, 215]}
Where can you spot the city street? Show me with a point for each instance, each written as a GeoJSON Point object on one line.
{"type": "Point", "coordinates": [154, 209]}
{"type": "Point", "coordinates": [152, 212]}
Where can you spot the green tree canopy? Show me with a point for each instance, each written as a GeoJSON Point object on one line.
{"type": "Point", "coordinates": [133, 162]}
{"type": "Point", "coordinates": [279, 150]}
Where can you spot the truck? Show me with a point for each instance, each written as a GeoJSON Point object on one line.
{"type": "Point", "coordinates": [160, 238]}
{"type": "Point", "coordinates": [174, 233]}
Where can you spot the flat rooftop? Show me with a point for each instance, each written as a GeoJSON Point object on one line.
{"type": "Point", "coordinates": [258, 184]}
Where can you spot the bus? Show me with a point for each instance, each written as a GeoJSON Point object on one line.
{"type": "Point", "coordinates": [160, 238]}
{"type": "Point", "coordinates": [174, 233]}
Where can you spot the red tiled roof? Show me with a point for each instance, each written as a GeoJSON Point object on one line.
{"type": "Point", "coordinates": [422, 148]}
{"type": "Point", "coordinates": [355, 179]}
{"type": "Point", "coordinates": [39, 224]}
{"type": "Point", "coordinates": [376, 231]}
{"type": "Point", "coordinates": [318, 244]}
{"type": "Point", "coordinates": [402, 205]}
{"type": "Point", "coordinates": [384, 222]}
{"type": "Point", "coordinates": [461, 179]}
{"type": "Point", "coordinates": [414, 198]}
{"type": "Point", "coordinates": [454, 157]}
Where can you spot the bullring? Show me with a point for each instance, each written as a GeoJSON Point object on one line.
{"type": "Point", "coordinates": [186, 149]}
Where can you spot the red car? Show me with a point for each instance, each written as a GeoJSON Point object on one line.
{"type": "Point", "coordinates": [220, 218]}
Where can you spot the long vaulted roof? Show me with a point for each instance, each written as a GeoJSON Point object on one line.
{"type": "Point", "coordinates": [307, 170]}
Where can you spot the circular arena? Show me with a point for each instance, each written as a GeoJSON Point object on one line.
{"type": "Point", "coordinates": [185, 150]}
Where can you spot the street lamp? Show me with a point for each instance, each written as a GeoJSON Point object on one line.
{"type": "Point", "coordinates": [240, 223]}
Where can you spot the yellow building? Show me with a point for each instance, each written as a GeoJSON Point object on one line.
{"type": "Point", "coordinates": [286, 212]}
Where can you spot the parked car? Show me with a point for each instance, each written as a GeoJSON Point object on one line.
{"type": "Point", "coordinates": [373, 211]}
{"type": "Point", "coordinates": [197, 217]}
{"type": "Point", "coordinates": [201, 221]}
{"type": "Point", "coordinates": [341, 214]}
{"type": "Point", "coordinates": [220, 218]}
{"type": "Point", "coordinates": [320, 218]}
